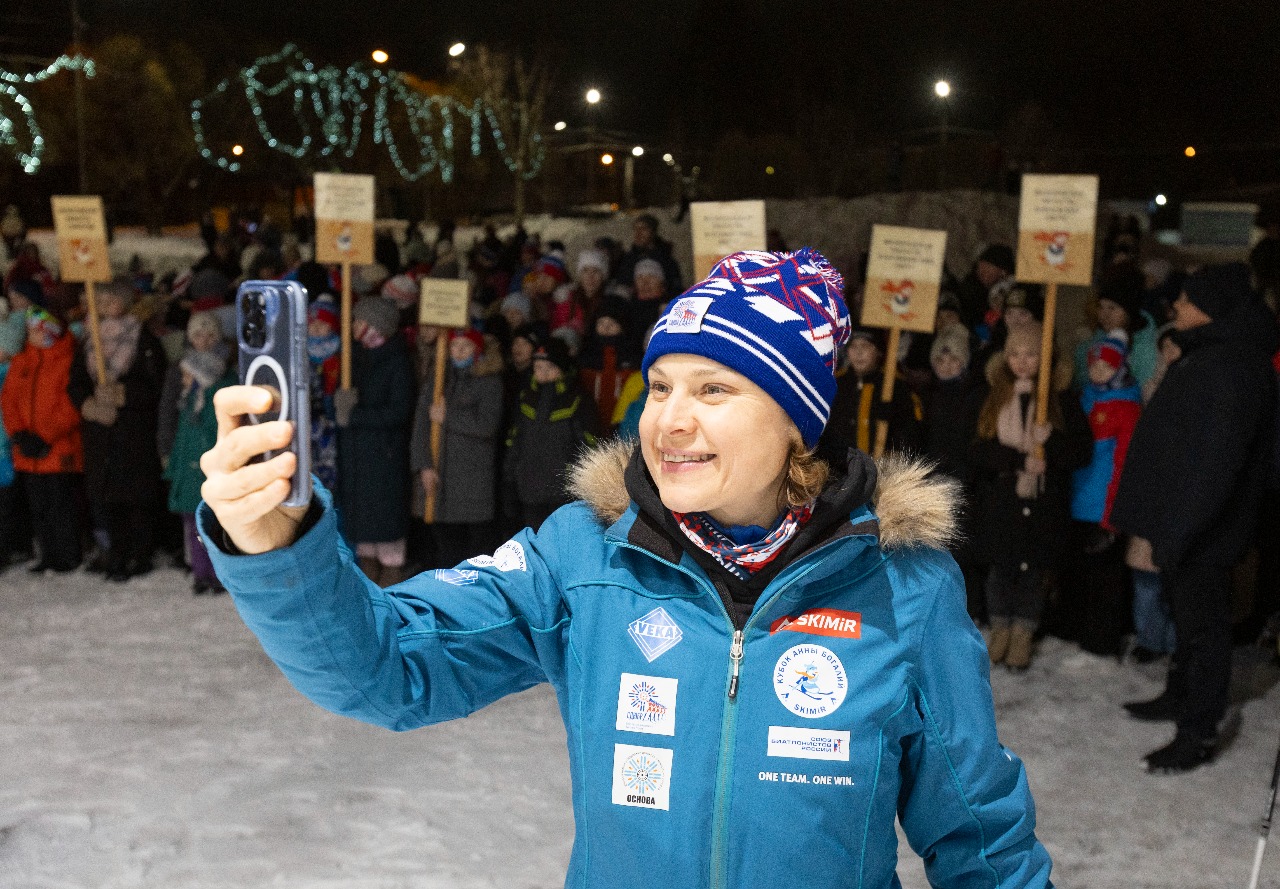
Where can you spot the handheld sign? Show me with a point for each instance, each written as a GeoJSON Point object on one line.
{"type": "Point", "coordinates": [81, 228]}
{"type": "Point", "coordinates": [344, 235]}
{"type": "Point", "coordinates": [722, 228]}
{"type": "Point", "coordinates": [443, 303]}
{"type": "Point", "coordinates": [904, 277]}
{"type": "Point", "coordinates": [1057, 221]}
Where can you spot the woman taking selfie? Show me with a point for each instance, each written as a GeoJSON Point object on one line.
{"type": "Point", "coordinates": [757, 669]}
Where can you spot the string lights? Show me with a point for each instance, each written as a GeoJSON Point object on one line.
{"type": "Point", "coordinates": [328, 108]}
{"type": "Point", "coordinates": [28, 151]}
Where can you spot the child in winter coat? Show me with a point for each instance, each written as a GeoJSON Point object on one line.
{"type": "Point", "coordinates": [857, 407]}
{"type": "Point", "coordinates": [609, 358]}
{"type": "Point", "coordinates": [470, 415]}
{"type": "Point", "coordinates": [204, 370]}
{"type": "Point", "coordinates": [1022, 499]}
{"type": "Point", "coordinates": [15, 539]}
{"type": "Point", "coordinates": [1094, 606]}
{"type": "Point", "coordinates": [553, 421]}
{"type": "Point", "coordinates": [374, 419]}
{"type": "Point", "coordinates": [44, 426]}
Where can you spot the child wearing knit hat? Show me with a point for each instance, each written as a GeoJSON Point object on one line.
{"type": "Point", "coordinates": [1094, 607]}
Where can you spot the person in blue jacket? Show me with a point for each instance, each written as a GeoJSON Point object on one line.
{"type": "Point", "coordinates": [758, 670]}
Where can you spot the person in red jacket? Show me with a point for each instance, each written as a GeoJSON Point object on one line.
{"type": "Point", "coordinates": [45, 428]}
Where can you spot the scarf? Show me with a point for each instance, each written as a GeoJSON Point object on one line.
{"type": "Point", "coordinates": [321, 348]}
{"type": "Point", "coordinates": [371, 338]}
{"type": "Point", "coordinates": [1013, 429]}
{"type": "Point", "coordinates": [745, 559]}
{"type": "Point", "coordinates": [119, 338]}
{"type": "Point", "coordinates": [205, 369]}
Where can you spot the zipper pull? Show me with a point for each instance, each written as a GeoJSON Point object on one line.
{"type": "Point", "coordinates": [735, 661]}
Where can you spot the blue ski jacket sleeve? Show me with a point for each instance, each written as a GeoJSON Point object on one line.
{"type": "Point", "coordinates": [777, 753]}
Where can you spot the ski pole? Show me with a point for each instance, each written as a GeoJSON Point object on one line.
{"type": "Point", "coordinates": [1265, 827]}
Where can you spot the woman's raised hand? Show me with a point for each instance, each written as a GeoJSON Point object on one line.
{"type": "Point", "coordinates": [246, 496]}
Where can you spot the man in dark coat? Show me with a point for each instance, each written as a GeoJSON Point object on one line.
{"type": "Point", "coordinates": [647, 245]}
{"type": "Point", "coordinates": [1190, 485]}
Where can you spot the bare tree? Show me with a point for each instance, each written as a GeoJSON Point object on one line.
{"type": "Point", "coordinates": [514, 94]}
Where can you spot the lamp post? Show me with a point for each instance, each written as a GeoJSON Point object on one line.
{"type": "Point", "coordinates": [942, 89]}
{"type": "Point", "coordinates": [77, 34]}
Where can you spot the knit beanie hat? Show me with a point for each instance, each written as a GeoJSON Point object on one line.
{"type": "Point", "coordinates": [518, 301]}
{"type": "Point", "coordinates": [41, 325]}
{"type": "Point", "coordinates": [649, 267]}
{"type": "Point", "coordinates": [379, 313]}
{"type": "Point", "coordinates": [1112, 348]}
{"type": "Point", "coordinates": [326, 310]}
{"type": "Point", "coordinates": [1022, 298]}
{"type": "Point", "coordinates": [366, 279]}
{"type": "Point", "coordinates": [553, 267]}
{"type": "Point", "coordinates": [779, 319]}
{"type": "Point", "coordinates": [401, 290]}
{"type": "Point", "coordinates": [1123, 285]}
{"type": "Point", "coordinates": [475, 336]}
{"type": "Point", "coordinates": [556, 351]}
{"type": "Point", "coordinates": [30, 289]}
{"type": "Point", "coordinates": [1217, 290]}
{"type": "Point", "coordinates": [593, 259]}
{"type": "Point", "coordinates": [953, 339]}
{"type": "Point", "coordinates": [873, 335]}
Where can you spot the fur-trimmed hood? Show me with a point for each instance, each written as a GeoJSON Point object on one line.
{"type": "Point", "coordinates": [914, 506]}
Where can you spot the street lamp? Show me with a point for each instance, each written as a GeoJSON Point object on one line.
{"type": "Point", "coordinates": [637, 151]}
{"type": "Point", "coordinates": [593, 96]}
{"type": "Point", "coordinates": [942, 89]}
{"type": "Point", "coordinates": [1161, 200]}
{"type": "Point", "coordinates": [457, 49]}
{"type": "Point", "coordinates": [1190, 151]}
{"type": "Point", "coordinates": [606, 159]}
{"type": "Point", "coordinates": [380, 56]}
{"type": "Point", "coordinates": [237, 150]}
{"type": "Point", "coordinates": [560, 125]}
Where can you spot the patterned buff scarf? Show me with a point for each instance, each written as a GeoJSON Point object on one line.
{"type": "Point", "coordinates": [742, 560]}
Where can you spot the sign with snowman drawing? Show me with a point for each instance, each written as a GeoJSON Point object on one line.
{"type": "Point", "coordinates": [344, 218]}
{"type": "Point", "coordinates": [904, 275]}
{"type": "Point", "coordinates": [1056, 225]}
{"type": "Point", "coordinates": [81, 228]}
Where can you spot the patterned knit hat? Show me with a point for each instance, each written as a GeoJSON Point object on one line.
{"type": "Point", "coordinates": [401, 290]}
{"type": "Point", "coordinates": [325, 309]}
{"type": "Point", "coordinates": [778, 319]}
{"type": "Point", "coordinates": [1112, 348]}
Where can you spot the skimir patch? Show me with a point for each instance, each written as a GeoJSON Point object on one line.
{"type": "Point", "coordinates": [655, 634]}
{"type": "Point", "coordinates": [642, 777]}
{"type": "Point", "coordinates": [810, 681]}
{"type": "Point", "coordinates": [647, 704]}
{"type": "Point", "coordinates": [822, 622]}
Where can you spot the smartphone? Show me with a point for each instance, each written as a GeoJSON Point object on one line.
{"type": "Point", "coordinates": [271, 330]}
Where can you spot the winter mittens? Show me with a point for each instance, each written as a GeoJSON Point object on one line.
{"type": "Point", "coordinates": [102, 406]}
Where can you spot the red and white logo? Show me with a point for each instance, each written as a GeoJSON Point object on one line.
{"type": "Point", "coordinates": [822, 622]}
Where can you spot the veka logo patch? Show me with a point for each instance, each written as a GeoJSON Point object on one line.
{"type": "Point", "coordinates": [822, 622]}
{"type": "Point", "coordinates": [655, 634]}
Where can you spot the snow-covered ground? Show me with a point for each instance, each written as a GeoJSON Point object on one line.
{"type": "Point", "coordinates": [146, 741]}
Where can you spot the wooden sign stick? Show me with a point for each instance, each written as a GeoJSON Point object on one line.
{"type": "Point", "coordinates": [886, 389]}
{"type": "Point", "coordinates": [1046, 358]}
{"type": "Point", "coordinates": [345, 375]}
{"type": "Point", "coordinates": [95, 334]}
{"type": "Point", "coordinates": [437, 429]}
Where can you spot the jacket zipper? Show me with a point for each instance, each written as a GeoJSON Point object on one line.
{"type": "Point", "coordinates": [728, 724]}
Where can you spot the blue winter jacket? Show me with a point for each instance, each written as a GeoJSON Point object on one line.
{"type": "Point", "coordinates": [701, 755]}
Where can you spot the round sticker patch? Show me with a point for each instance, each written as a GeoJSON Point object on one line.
{"type": "Point", "coordinates": [810, 681]}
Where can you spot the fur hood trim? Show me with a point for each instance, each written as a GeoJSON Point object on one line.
{"type": "Point", "coordinates": [914, 506]}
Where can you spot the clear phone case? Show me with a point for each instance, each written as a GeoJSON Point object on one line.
{"type": "Point", "coordinates": [271, 329]}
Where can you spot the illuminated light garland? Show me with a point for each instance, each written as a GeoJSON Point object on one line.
{"type": "Point", "coordinates": [9, 83]}
{"type": "Point", "coordinates": [329, 107]}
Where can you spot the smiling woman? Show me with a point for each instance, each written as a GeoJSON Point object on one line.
{"type": "Point", "coordinates": [759, 671]}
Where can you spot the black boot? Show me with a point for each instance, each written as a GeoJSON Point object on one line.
{"type": "Point", "coordinates": [1165, 708]}
{"type": "Point", "coordinates": [1184, 753]}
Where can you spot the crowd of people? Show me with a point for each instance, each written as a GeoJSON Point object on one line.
{"type": "Point", "coordinates": [1116, 522]}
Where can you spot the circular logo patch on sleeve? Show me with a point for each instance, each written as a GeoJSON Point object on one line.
{"type": "Point", "coordinates": [810, 681]}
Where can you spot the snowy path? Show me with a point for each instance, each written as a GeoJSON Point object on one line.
{"type": "Point", "coordinates": [145, 741]}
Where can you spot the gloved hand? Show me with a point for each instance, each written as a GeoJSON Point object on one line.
{"type": "Point", "coordinates": [98, 408]}
{"type": "Point", "coordinates": [344, 402]}
{"type": "Point", "coordinates": [30, 445]}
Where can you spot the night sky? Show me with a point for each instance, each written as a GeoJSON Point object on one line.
{"type": "Point", "coordinates": [1129, 77]}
